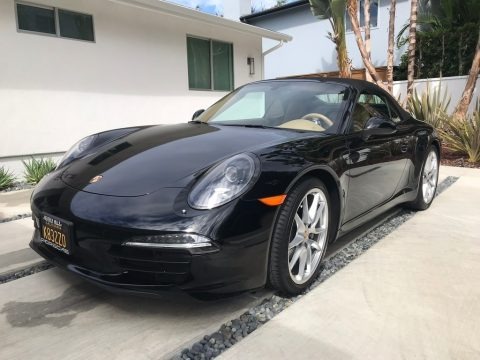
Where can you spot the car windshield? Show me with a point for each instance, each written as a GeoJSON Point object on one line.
{"type": "Point", "coordinates": [300, 105]}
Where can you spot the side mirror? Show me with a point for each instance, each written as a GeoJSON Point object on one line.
{"type": "Point", "coordinates": [378, 126]}
{"type": "Point", "coordinates": [197, 113]}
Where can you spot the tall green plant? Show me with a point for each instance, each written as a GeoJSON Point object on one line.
{"type": "Point", "coordinates": [35, 169]}
{"type": "Point", "coordinates": [6, 178]}
{"type": "Point", "coordinates": [431, 106]}
{"type": "Point", "coordinates": [463, 136]}
{"type": "Point", "coordinates": [334, 11]}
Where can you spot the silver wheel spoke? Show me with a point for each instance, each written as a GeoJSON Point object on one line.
{"type": "Point", "coordinates": [297, 240]}
{"type": "Point", "coordinates": [313, 210]}
{"type": "Point", "coordinates": [300, 224]}
{"type": "Point", "coordinates": [295, 258]}
{"type": "Point", "coordinates": [302, 262]}
{"type": "Point", "coordinates": [319, 213]}
{"type": "Point", "coordinates": [315, 245]}
{"type": "Point", "coordinates": [305, 211]}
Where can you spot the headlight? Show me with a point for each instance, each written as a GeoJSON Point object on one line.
{"type": "Point", "coordinates": [77, 150]}
{"type": "Point", "coordinates": [225, 182]}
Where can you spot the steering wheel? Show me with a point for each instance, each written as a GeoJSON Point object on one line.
{"type": "Point", "coordinates": [319, 119]}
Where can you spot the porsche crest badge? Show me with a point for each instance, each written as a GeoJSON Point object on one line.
{"type": "Point", "coordinates": [95, 179]}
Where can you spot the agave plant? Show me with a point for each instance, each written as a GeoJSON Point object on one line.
{"type": "Point", "coordinates": [463, 136]}
{"type": "Point", "coordinates": [431, 106]}
{"type": "Point", "coordinates": [6, 178]}
{"type": "Point", "coordinates": [35, 169]}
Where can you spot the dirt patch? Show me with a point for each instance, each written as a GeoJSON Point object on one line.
{"type": "Point", "coordinates": [450, 158]}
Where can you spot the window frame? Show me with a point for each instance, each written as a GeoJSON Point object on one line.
{"type": "Point", "coordinates": [362, 28]}
{"type": "Point", "coordinates": [56, 18]}
{"type": "Point", "coordinates": [212, 83]}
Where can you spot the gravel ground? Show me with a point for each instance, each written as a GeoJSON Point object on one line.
{"type": "Point", "coordinates": [235, 330]}
{"type": "Point", "coordinates": [18, 186]}
{"type": "Point", "coordinates": [16, 217]}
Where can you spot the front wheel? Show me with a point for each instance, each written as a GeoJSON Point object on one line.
{"type": "Point", "coordinates": [300, 237]}
{"type": "Point", "coordinates": [427, 186]}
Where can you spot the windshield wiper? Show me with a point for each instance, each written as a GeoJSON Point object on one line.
{"type": "Point", "coordinates": [257, 126]}
{"type": "Point", "coordinates": [196, 122]}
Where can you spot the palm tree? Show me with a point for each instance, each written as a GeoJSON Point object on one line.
{"type": "Point", "coordinates": [368, 47]}
{"type": "Point", "coordinates": [334, 11]}
{"type": "Point", "coordinates": [391, 43]}
{"type": "Point", "coordinates": [462, 107]}
{"type": "Point", "coordinates": [412, 34]}
{"type": "Point", "coordinates": [352, 8]}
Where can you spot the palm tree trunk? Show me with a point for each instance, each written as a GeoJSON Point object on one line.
{"type": "Point", "coordinates": [368, 46]}
{"type": "Point", "coordinates": [391, 44]}
{"type": "Point", "coordinates": [338, 26]}
{"type": "Point", "coordinates": [462, 107]}
{"type": "Point", "coordinates": [352, 8]}
{"type": "Point", "coordinates": [412, 34]}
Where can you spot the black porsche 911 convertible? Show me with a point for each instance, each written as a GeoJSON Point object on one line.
{"type": "Point", "coordinates": [250, 192]}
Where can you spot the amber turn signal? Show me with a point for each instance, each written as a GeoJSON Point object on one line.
{"type": "Point", "coordinates": [273, 200]}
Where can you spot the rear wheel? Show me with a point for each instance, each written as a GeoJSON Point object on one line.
{"type": "Point", "coordinates": [300, 237]}
{"type": "Point", "coordinates": [427, 186]}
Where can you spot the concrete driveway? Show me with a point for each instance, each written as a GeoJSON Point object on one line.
{"type": "Point", "coordinates": [413, 295]}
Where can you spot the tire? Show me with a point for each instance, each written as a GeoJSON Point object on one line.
{"type": "Point", "coordinates": [293, 245]}
{"type": "Point", "coordinates": [425, 197]}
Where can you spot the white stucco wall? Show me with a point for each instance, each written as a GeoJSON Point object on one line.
{"type": "Point", "coordinates": [453, 86]}
{"type": "Point", "coordinates": [312, 52]}
{"type": "Point", "coordinates": [54, 91]}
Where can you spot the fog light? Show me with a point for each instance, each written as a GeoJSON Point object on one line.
{"type": "Point", "coordinates": [176, 241]}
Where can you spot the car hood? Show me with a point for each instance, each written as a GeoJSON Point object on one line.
{"type": "Point", "coordinates": [164, 156]}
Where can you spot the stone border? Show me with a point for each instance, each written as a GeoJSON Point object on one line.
{"type": "Point", "coordinates": [44, 265]}
{"type": "Point", "coordinates": [235, 330]}
{"type": "Point", "coordinates": [17, 187]}
{"type": "Point", "coordinates": [16, 217]}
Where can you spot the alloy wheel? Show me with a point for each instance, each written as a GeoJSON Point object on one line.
{"type": "Point", "coordinates": [308, 236]}
{"type": "Point", "coordinates": [429, 177]}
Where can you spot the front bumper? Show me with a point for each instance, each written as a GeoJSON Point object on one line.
{"type": "Point", "coordinates": [145, 270]}
{"type": "Point", "coordinates": [102, 224]}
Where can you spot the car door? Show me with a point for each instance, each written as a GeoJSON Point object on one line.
{"type": "Point", "coordinates": [375, 160]}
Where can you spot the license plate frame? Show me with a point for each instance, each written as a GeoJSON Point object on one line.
{"type": "Point", "coordinates": [56, 233]}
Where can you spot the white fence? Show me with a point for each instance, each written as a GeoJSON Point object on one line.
{"type": "Point", "coordinates": [454, 86]}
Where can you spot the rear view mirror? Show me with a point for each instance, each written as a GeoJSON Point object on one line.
{"type": "Point", "coordinates": [197, 113]}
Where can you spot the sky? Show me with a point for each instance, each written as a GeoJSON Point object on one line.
{"type": "Point", "coordinates": [216, 6]}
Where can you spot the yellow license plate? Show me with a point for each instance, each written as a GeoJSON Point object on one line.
{"type": "Point", "coordinates": [55, 233]}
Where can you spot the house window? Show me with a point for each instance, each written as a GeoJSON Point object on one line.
{"type": "Point", "coordinates": [373, 15]}
{"type": "Point", "coordinates": [53, 21]}
{"type": "Point", "coordinates": [210, 64]}
{"type": "Point", "coordinates": [37, 19]}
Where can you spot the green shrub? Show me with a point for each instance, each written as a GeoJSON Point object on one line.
{"type": "Point", "coordinates": [441, 53]}
{"type": "Point", "coordinates": [463, 136]}
{"type": "Point", "coordinates": [430, 107]}
{"type": "Point", "coordinates": [6, 178]}
{"type": "Point", "coordinates": [35, 169]}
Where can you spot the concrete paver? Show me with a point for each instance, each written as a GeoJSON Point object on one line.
{"type": "Point", "coordinates": [15, 203]}
{"type": "Point", "coordinates": [55, 315]}
{"type": "Point", "coordinates": [15, 253]}
{"type": "Point", "coordinates": [415, 294]}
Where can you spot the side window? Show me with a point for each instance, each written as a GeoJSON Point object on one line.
{"type": "Point", "coordinates": [367, 106]}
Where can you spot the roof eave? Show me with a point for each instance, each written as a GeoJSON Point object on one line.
{"type": "Point", "coordinates": [188, 13]}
